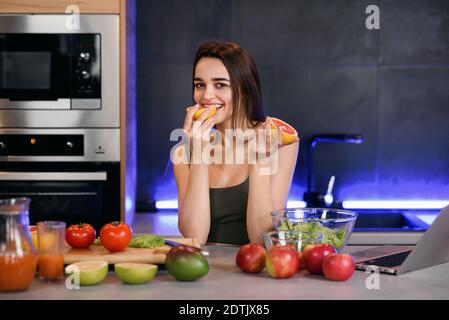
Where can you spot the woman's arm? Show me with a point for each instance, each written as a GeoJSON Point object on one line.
{"type": "Point", "coordinates": [281, 181]}
{"type": "Point", "coordinates": [260, 204]}
{"type": "Point", "coordinates": [269, 192]}
{"type": "Point", "coordinates": [193, 200]}
{"type": "Point", "coordinates": [192, 180]}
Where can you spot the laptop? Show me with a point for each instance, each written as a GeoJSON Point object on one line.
{"type": "Point", "coordinates": [432, 249]}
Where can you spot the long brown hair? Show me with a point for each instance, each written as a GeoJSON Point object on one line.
{"type": "Point", "coordinates": [245, 80]}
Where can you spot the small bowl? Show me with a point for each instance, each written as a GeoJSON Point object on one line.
{"type": "Point", "coordinates": [335, 225]}
{"type": "Point", "coordinates": [297, 239]}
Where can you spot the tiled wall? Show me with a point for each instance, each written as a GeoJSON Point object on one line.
{"type": "Point", "coordinates": [321, 71]}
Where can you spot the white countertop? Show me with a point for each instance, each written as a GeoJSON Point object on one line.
{"type": "Point", "coordinates": [225, 281]}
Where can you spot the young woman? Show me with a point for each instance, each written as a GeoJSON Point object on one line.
{"type": "Point", "coordinates": [221, 201]}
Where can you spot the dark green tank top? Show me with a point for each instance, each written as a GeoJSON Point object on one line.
{"type": "Point", "coordinates": [228, 214]}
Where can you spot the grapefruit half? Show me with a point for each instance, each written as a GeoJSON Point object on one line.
{"type": "Point", "coordinates": [289, 135]}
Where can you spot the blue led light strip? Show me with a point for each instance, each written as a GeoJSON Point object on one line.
{"type": "Point", "coordinates": [395, 204]}
{"type": "Point", "coordinates": [173, 204]}
{"type": "Point", "coordinates": [353, 204]}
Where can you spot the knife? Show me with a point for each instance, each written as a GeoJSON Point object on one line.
{"type": "Point", "coordinates": [171, 243]}
{"type": "Point", "coordinates": [174, 244]}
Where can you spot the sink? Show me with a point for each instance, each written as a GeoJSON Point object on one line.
{"type": "Point", "coordinates": [389, 221]}
{"type": "Point", "coordinates": [393, 227]}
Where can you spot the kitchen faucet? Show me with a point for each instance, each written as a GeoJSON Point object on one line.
{"type": "Point", "coordinates": [314, 198]}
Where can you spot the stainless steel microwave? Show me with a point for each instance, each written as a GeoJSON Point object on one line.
{"type": "Point", "coordinates": [53, 71]}
{"type": "Point", "coordinates": [55, 77]}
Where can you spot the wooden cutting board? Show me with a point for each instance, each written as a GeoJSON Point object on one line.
{"type": "Point", "coordinates": [155, 256]}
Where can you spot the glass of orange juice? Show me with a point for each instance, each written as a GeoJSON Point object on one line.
{"type": "Point", "coordinates": [50, 235]}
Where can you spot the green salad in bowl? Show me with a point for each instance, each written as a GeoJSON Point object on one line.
{"type": "Point", "coordinates": [334, 225]}
{"type": "Point", "coordinates": [298, 239]}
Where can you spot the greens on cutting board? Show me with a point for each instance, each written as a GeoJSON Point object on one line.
{"type": "Point", "coordinates": [146, 240]}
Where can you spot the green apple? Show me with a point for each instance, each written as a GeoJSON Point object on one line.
{"type": "Point", "coordinates": [135, 273]}
{"type": "Point", "coordinates": [90, 272]}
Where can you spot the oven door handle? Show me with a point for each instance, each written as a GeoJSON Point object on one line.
{"type": "Point", "coordinates": [53, 176]}
{"type": "Point", "coordinates": [63, 104]}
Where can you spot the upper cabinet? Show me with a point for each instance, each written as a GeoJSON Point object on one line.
{"type": "Point", "coordinates": [59, 6]}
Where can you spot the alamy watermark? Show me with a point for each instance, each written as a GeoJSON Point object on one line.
{"type": "Point", "coordinates": [373, 20]}
{"type": "Point", "coordinates": [250, 146]}
{"type": "Point", "coordinates": [372, 282]}
{"type": "Point", "coordinates": [73, 280]}
{"type": "Point", "coordinates": [72, 22]}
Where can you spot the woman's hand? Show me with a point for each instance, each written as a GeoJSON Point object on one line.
{"type": "Point", "coordinates": [268, 143]}
{"type": "Point", "coordinates": [198, 132]}
{"type": "Point", "coordinates": [268, 140]}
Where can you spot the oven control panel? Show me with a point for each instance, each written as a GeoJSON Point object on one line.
{"type": "Point", "coordinates": [41, 145]}
{"type": "Point", "coordinates": [87, 68]}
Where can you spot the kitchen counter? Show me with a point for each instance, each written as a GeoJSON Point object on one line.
{"type": "Point", "coordinates": [166, 222]}
{"type": "Point", "coordinates": [225, 281]}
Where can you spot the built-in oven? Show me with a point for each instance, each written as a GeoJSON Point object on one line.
{"type": "Point", "coordinates": [70, 192]}
{"type": "Point", "coordinates": [71, 175]}
{"type": "Point", "coordinates": [55, 77]}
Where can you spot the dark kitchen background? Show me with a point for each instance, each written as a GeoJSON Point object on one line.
{"type": "Point", "coordinates": [322, 71]}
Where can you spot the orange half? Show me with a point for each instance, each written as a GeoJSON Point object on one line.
{"type": "Point", "coordinates": [200, 111]}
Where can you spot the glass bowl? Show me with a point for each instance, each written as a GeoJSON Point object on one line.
{"type": "Point", "coordinates": [297, 239]}
{"type": "Point", "coordinates": [334, 224]}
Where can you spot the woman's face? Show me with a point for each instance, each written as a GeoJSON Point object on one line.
{"type": "Point", "coordinates": [212, 85]}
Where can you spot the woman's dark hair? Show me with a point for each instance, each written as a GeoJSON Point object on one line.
{"type": "Point", "coordinates": [245, 80]}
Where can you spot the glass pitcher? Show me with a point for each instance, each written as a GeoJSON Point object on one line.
{"type": "Point", "coordinates": [18, 256]}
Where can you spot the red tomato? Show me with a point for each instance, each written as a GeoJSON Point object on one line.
{"type": "Point", "coordinates": [115, 236]}
{"type": "Point", "coordinates": [313, 257]}
{"type": "Point", "coordinates": [282, 262]}
{"type": "Point", "coordinates": [251, 258]}
{"type": "Point", "coordinates": [80, 236]}
{"type": "Point", "coordinates": [338, 267]}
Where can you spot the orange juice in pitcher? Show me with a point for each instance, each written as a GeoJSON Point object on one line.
{"type": "Point", "coordinates": [18, 257]}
